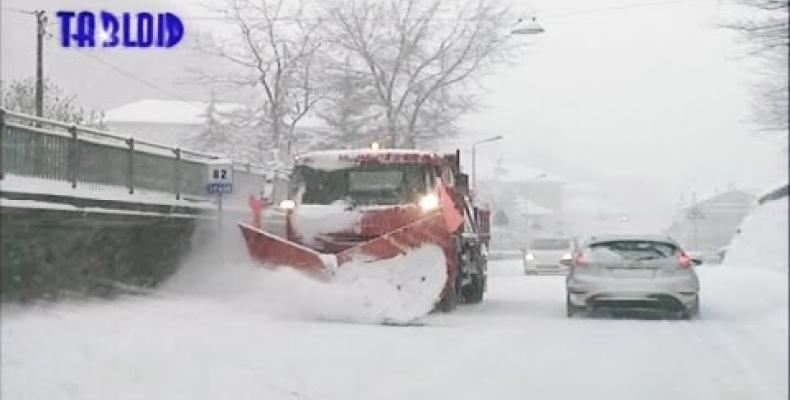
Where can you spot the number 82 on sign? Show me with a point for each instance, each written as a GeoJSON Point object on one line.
{"type": "Point", "coordinates": [220, 177]}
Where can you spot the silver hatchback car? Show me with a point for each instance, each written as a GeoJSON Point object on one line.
{"type": "Point", "coordinates": [637, 272]}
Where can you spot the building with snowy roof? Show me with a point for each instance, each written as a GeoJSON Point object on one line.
{"type": "Point", "coordinates": [175, 122]}
{"type": "Point", "coordinates": [168, 122]}
{"type": "Point", "coordinates": [530, 201]}
{"type": "Point", "coordinates": [710, 224]}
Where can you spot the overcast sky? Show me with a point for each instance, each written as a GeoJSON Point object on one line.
{"type": "Point", "coordinates": [657, 92]}
{"type": "Point", "coordinates": [647, 101]}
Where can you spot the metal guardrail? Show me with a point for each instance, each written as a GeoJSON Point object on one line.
{"type": "Point", "coordinates": [42, 148]}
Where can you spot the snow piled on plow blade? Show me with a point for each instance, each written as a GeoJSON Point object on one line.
{"type": "Point", "coordinates": [394, 291]}
{"type": "Point", "coordinates": [397, 290]}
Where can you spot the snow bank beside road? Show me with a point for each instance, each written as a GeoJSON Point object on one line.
{"type": "Point", "coordinates": [762, 241]}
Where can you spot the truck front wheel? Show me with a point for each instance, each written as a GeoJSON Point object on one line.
{"type": "Point", "coordinates": [450, 300]}
{"type": "Point", "coordinates": [473, 292]}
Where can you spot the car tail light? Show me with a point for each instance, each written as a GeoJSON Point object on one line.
{"type": "Point", "coordinates": [579, 259]}
{"type": "Point", "coordinates": [684, 260]}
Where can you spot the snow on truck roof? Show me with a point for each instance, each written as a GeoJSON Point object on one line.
{"type": "Point", "coordinates": [338, 159]}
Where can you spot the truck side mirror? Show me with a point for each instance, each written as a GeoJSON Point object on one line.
{"type": "Point", "coordinates": [461, 183]}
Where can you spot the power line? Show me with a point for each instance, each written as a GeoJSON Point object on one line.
{"type": "Point", "coordinates": [138, 79]}
{"type": "Point", "coordinates": [17, 10]}
{"type": "Point", "coordinates": [174, 96]}
{"type": "Point", "coordinates": [614, 8]}
{"type": "Point", "coordinates": [115, 68]}
{"type": "Point", "coordinates": [548, 15]}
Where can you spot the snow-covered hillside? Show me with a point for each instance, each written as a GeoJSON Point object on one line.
{"type": "Point", "coordinates": [762, 241]}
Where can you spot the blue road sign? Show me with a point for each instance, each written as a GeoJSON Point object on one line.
{"type": "Point", "coordinates": [215, 188]}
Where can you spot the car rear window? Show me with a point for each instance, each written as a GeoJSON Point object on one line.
{"type": "Point", "coordinates": [550, 244]}
{"type": "Point", "coordinates": [631, 250]}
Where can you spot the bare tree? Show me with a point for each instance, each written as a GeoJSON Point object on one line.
{"type": "Point", "coordinates": [766, 31]}
{"type": "Point", "coordinates": [276, 49]}
{"type": "Point", "coordinates": [351, 111]}
{"type": "Point", "coordinates": [20, 96]}
{"type": "Point", "coordinates": [419, 56]}
{"type": "Point", "coordinates": [439, 113]}
{"type": "Point", "coordinates": [232, 133]}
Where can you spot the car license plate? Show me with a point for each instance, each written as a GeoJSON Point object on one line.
{"type": "Point", "coordinates": [632, 273]}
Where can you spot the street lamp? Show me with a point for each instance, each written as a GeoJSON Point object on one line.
{"type": "Point", "coordinates": [474, 156]}
{"type": "Point", "coordinates": [530, 27]}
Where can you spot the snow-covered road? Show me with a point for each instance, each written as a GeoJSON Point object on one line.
{"type": "Point", "coordinates": [518, 344]}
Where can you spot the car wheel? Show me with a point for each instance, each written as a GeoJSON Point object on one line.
{"type": "Point", "coordinates": [570, 309]}
{"type": "Point", "coordinates": [693, 310]}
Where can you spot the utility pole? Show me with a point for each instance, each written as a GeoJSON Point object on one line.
{"type": "Point", "coordinates": [2, 93]}
{"type": "Point", "coordinates": [41, 20]}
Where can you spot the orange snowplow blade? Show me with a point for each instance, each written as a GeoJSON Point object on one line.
{"type": "Point", "coordinates": [272, 250]}
{"type": "Point", "coordinates": [429, 229]}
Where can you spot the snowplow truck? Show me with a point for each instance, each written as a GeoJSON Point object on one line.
{"type": "Point", "coordinates": [367, 206]}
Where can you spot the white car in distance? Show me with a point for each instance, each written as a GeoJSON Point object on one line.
{"type": "Point", "coordinates": [544, 255]}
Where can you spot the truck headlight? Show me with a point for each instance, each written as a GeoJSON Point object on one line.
{"type": "Point", "coordinates": [429, 202]}
{"type": "Point", "coordinates": [529, 257]}
{"type": "Point", "coordinates": [287, 204]}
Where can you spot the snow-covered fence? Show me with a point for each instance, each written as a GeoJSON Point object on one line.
{"type": "Point", "coordinates": [47, 149]}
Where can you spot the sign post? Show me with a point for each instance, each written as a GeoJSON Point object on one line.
{"type": "Point", "coordinates": [219, 181]}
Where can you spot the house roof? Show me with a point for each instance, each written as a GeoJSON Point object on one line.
{"type": "Point", "coordinates": [166, 111]}
{"type": "Point", "coordinates": [728, 200]}
{"type": "Point", "coordinates": [531, 208]}
{"type": "Point", "coordinates": [160, 111]}
{"type": "Point", "coordinates": [519, 174]}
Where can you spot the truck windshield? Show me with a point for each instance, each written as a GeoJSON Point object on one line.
{"type": "Point", "coordinates": [375, 184]}
{"type": "Point", "coordinates": [374, 181]}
